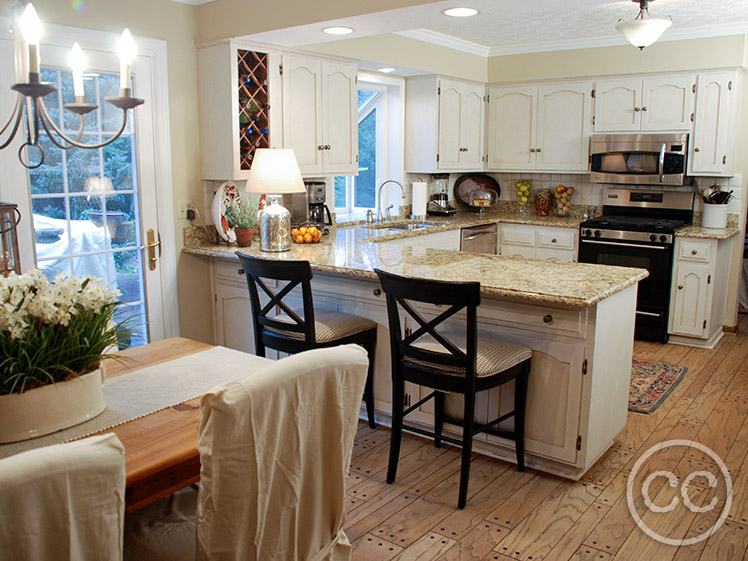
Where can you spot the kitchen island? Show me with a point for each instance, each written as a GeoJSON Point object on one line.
{"type": "Point", "coordinates": [577, 318]}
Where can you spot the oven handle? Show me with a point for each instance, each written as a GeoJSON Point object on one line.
{"type": "Point", "coordinates": [649, 314]}
{"type": "Point", "coordinates": [662, 163]}
{"type": "Point", "coordinates": [624, 244]}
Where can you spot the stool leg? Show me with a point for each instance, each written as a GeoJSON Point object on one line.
{"type": "Point", "coordinates": [370, 347]}
{"type": "Point", "coordinates": [467, 448]}
{"type": "Point", "coordinates": [398, 396]}
{"type": "Point", "coordinates": [438, 418]}
{"type": "Point", "coordinates": [520, 400]}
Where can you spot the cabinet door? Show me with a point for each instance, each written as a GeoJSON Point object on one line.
{"type": "Point", "coordinates": [450, 116]}
{"type": "Point", "coordinates": [618, 105]}
{"type": "Point", "coordinates": [233, 317]}
{"type": "Point", "coordinates": [708, 151]}
{"type": "Point", "coordinates": [667, 103]}
{"type": "Point", "coordinates": [473, 115]}
{"type": "Point", "coordinates": [511, 250]}
{"type": "Point", "coordinates": [302, 111]}
{"type": "Point", "coordinates": [511, 128]}
{"type": "Point", "coordinates": [340, 118]}
{"type": "Point", "coordinates": [690, 298]}
{"type": "Point", "coordinates": [563, 139]}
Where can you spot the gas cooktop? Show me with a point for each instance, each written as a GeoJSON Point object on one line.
{"type": "Point", "coordinates": [634, 224]}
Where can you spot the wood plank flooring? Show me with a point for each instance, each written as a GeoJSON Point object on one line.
{"type": "Point", "coordinates": [533, 516]}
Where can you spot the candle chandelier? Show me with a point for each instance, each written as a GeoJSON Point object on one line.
{"type": "Point", "coordinates": [29, 104]}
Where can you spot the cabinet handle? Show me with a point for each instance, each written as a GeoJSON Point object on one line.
{"type": "Point", "coordinates": [697, 149]}
{"type": "Point", "coordinates": [377, 292]}
{"type": "Point", "coordinates": [692, 117]}
{"type": "Point", "coordinates": [537, 150]}
{"type": "Point", "coordinates": [553, 240]}
{"type": "Point", "coordinates": [680, 287]}
{"type": "Point", "coordinates": [644, 108]}
{"type": "Point", "coordinates": [328, 147]}
{"type": "Point", "coordinates": [240, 272]}
{"type": "Point", "coordinates": [694, 251]}
{"type": "Point", "coordinates": [532, 150]}
{"type": "Point", "coordinates": [724, 160]}
{"type": "Point", "coordinates": [320, 147]}
{"type": "Point", "coordinates": [548, 318]}
{"type": "Point", "coordinates": [637, 109]}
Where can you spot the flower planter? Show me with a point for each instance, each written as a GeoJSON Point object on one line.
{"type": "Point", "coordinates": [50, 408]}
{"type": "Point", "coordinates": [244, 236]}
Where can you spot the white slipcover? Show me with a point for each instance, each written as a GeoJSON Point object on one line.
{"type": "Point", "coordinates": [275, 449]}
{"type": "Point", "coordinates": [64, 502]}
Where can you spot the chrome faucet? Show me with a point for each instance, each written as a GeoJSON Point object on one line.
{"type": "Point", "coordinates": [379, 199]}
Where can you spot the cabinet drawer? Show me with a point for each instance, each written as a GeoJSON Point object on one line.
{"type": "Point", "coordinates": [229, 269]}
{"type": "Point", "coordinates": [692, 250]}
{"type": "Point", "coordinates": [557, 239]}
{"type": "Point", "coordinates": [518, 234]}
{"type": "Point", "coordinates": [536, 318]}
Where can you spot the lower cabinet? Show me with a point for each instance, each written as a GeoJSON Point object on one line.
{"type": "Point", "coordinates": [538, 242]}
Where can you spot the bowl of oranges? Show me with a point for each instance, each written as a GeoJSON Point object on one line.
{"type": "Point", "coordinates": [308, 233]}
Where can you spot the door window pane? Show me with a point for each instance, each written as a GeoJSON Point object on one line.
{"type": "Point", "coordinates": [367, 156]}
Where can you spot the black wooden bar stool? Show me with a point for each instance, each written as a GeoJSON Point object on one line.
{"type": "Point", "coordinates": [293, 331]}
{"type": "Point", "coordinates": [449, 362]}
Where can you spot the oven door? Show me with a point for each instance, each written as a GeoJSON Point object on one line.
{"type": "Point", "coordinates": [653, 300]}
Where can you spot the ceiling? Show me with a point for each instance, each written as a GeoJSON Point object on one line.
{"type": "Point", "coordinates": [524, 26]}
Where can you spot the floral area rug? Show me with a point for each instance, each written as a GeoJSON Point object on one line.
{"type": "Point", "coordinates": [651, 383]}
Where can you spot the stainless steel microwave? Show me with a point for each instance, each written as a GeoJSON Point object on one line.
{"type": "Point", "coordinates": [639, 159]}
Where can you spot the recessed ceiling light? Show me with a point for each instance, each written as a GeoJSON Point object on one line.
{"type": "Point", "coordinates": [460, 12]}
{"type": "Point", "coordinates": [338, 30]}
{"type": "Point", "coordinates": [386, 69]}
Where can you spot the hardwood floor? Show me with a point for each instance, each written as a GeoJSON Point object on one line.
{"type": "Point", "coordinates": [533, 516]}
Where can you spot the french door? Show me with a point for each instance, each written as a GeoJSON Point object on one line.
{"type": "Point", "coordinates": [90, 212]}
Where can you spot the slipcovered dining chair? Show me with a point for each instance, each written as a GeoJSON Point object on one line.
{"type": "Point", "coordinates": [449, 359]}
{"type": "Point", "coordinates": [275, 449]}
{"type": "Point", "coordinates": [293, 331]}
{"type": "Point", "coordinates": [64, 502]}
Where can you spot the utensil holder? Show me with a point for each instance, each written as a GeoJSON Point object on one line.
{"type": "Point", "coordinates": [714, 216]}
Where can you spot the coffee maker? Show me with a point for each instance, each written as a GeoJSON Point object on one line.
{"type": "Point", "coordinates": [439, 203]}
{"type": "Point", "coordinates": [318, 210]}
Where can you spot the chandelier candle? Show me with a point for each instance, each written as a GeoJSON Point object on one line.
{"type": "Point", "coordinates": [31, 28]}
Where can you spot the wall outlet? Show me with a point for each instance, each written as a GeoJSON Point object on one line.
{"type": "Point", "coordinates": [182, 207]}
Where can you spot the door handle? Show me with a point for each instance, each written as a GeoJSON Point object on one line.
{"type": "Point", "coordinates": [151, 246]}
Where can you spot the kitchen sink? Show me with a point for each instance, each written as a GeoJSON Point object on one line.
{"type": "Point", "coordinates": [401, 226]}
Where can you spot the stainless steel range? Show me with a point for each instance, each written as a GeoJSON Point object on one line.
{"type": "Point", "coordinates": [637, 229]}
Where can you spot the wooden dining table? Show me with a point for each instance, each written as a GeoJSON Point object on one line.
{"type": "Point", "coordinates": [161, 448]}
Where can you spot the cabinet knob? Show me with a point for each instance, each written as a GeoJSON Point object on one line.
{"type": "Point", "coordinates": [637, 109]}
{"type": "Point", "coordinates": [644, 108]}
{"type": "Point", "coordinates": [553, 240]}
{"type": "Point", "coordinates": [548, 318]}
{"type": "Point", "coordinates": [532, 150]}
{"type": "Point", "coordinates": [377, 292]}
{"type": "Point", "coordinates": [537, 149]}
{"type": "Point", "coordinates": [694, 251]}
{"type": "Point", "coordinates": [697, 149]}
{"type": "Point", "coordinates": [240, 272]}
{"type": "Point", "coordinates": [724, 160]}
{"type": "Point", "coordinates": [680, 287]}
{"type": "Point", "coordinates": [320, 147]}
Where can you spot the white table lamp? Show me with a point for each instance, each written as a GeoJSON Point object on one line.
{"type": "Point", "coordinates": [275, 172]}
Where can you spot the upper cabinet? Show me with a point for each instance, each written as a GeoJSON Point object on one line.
{"type": "Point", "coordinates": [542, 128]}
{"type": "Point", "coordinates": [320, 114]}
{"type": "Point", "coordinates": [444, 125]}
{"type": "Point", "coordinates": [650, 104]}
{"type": "Point", "coordinates": [712, 146]}
{"type": "Point", "coordinates": [240, 98]}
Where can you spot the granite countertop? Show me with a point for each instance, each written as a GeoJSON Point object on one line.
{"type": "Point", "coordinates": [350, 251]}
{"type": "Point", "coordinates": [695, 230]}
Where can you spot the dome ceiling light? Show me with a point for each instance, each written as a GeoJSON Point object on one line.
{"type": "Point", "coordinates": [460, 12]}
{"type": "Point", "coordinates": [643, 30]}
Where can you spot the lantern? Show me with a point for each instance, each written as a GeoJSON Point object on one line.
{"type": "Point", "coordinates": [9, 219]}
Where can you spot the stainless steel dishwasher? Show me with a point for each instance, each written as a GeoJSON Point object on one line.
{"type": "Point", "coordinates": [479, 239]}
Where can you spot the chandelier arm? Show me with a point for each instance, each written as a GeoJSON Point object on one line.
{"type": "Point", "coordinates": [73, 143]}
{"type": "Point", "coordinates": [16, 108]}
{"type": "Point", "coordinates": [18, 116]}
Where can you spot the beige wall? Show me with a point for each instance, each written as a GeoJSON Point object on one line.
{"type": "Point", "coordinates": [176, 24]}
{"type": "Point", "coordinates": [409, 53]}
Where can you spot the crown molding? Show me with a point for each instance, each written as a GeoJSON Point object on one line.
{"type": "Point", "coordinates": [441, 39]}
{"type": "Point", "coordinates": [444, 40]}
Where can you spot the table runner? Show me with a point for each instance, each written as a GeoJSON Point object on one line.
{"type": "Point", "coordinates": [150, 389]}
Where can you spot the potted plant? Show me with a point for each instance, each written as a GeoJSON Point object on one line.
{"type": "Point", "coordinates": [53, 337]}
{"type": "Point", "coordinates": [242, 217]}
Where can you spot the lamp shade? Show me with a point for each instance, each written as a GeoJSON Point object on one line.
{"type": "Point", "coordinates": [643, 32]}
{"type": "Point", "coordinates": [274, 171]}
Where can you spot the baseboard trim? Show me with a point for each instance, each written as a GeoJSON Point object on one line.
{"type": "Point", "coordinates": [732, 329]}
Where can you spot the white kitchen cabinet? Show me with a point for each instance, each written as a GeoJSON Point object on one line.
{"type": "Point", "coordinates": [712, 146]}
{"type": "Point", "coordinates": [225, 151]}
{"type": "Point", "coordinates": [320, 114]}
{"type": "Point", "coordinates": [538, 242]}
{"type": "Point", "coordinates": [542, 128]}
{"type": "Point", "coordinates": [232, 311]}
{"type": "Point", "coordinates": [444, 125]}
{"type": "Point", "coordinates": [698, 291]}
{"type": "Point", "coordinates": [649, 104]}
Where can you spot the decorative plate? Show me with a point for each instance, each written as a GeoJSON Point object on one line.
{"type": "Point", "coordinates": [226, 194]}
{"type": "Point", "coordinates": [473, 183]}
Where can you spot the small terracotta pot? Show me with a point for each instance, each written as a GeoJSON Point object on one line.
{"type": "Point", "coordinates": [244, 236]}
